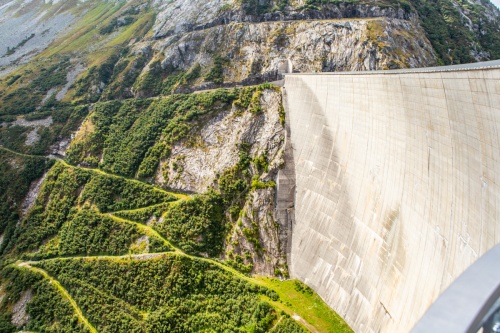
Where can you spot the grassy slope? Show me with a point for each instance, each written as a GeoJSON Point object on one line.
{"type": "Point", "coordinates": [305, 303]}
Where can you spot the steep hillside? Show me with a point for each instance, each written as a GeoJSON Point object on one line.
{"type": "Point", "coordinates": [140, 147]}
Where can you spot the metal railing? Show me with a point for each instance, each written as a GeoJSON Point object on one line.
{"type": "Point", "coordinates": [471, 304]}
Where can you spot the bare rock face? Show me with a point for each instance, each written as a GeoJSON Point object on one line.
{"type": "Point", "coordinates": [30, 198]}
{"type": "Point", "coordinates": [256, 236]}
{"type": "Point", "coordinates": [184, 15]}
{"type": "Point", "coordinates": [212, 146]}
{"type": "Point", "coordinates": [211, 149]}
{"type": "Point", "coordinates": [339, 37]}
{"type": "Point", "coordinates": [258, 50]}
{"type": "Point", "coordinates": [19, 315]}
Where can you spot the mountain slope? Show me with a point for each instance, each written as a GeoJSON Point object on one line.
{"type": "Point", "coordinates": [139, 196]}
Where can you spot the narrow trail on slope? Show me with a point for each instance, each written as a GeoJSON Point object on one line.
{"type": "Point", "coordinates": [99, 171]}
{"type": "Point", "coordinates": [63, 291]}
{"type": "Point", "coordinates": [147, 230]}
{"type": "Point", "coordinates": [25, 155]}
{"type": "Point", "coordinates": [137, 210]}
{"type": "Point", "coordinates": [180, 196]}
{"type": "Point", "coordinates": [208, 26]}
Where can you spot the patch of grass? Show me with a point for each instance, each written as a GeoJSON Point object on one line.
{"type": "Point", "coordinates": [296, 298]}
{"type": "Point", "coordinates": [84, 33]}
{"type": "Point", "coordinates": [135, 30]}
{"type": "Point", "coordinates": [374, 29]}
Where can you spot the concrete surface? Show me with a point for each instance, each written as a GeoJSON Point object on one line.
{"type": "Point", "coordinates": [397, 192]}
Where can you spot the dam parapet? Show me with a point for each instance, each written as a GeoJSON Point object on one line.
{"type": "Point", "coordinates": [397, 186]}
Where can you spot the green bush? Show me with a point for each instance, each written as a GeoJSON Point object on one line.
{"type": "Point", "coordinates": [196, 225]}
{"type": "Point", "coordinates": [48, 310]}
{"type": "Point", "coordinates": [55, 213]}
{"type": "Point", "coordinates": [216, 73]}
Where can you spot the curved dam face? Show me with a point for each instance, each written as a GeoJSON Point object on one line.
{"type": "Point", "coordinates": [397, 179]}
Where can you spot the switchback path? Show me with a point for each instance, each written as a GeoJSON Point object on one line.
{"type": "Point", "coordinates": [148, 256]}
{"type": "Point", "coordinates": [25, 155]}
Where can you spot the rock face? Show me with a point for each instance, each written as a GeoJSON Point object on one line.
{"type": "Point", "coordinates": [396, 190]}
{"type": "Point", "coordinates": [258, 237]}
{"type": "Point", "coordinates": [259, 49]}
{"type": "Point", "coordinates": [212, 148]}
{"type": "Point", "coordinates": [35, 125]}
{"type": "Point", "coordinates": [19, 315]}
{"type": "Point", "coordinates": [184, 16]}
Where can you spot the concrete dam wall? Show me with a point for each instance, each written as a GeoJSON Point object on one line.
{"type": "Point", "coordinates": [397, 186]}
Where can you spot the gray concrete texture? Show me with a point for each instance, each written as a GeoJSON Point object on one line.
{"type": "Point", "coordinates": [397, 187]}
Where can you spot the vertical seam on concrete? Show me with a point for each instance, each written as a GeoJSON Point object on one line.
{"type": "Point", "coordinates": [452, 236]}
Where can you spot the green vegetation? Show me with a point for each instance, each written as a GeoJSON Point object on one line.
{"type": "Point", "coordinates": [258, 184]}
{"type": "Point", "coordinates": [256, 7]}
{"type": "Point", "coordinates": [16, 174]}
{"type": "Point", "coordinates": [193, 73]}
{"type": "Point", "coordinates": [66, 120]}
{"type": "Point", "coordinates": [296, 297]}
{"type": "Point", "coordinates": [115, 23]}
{"type": "Point", "coordinates": [261, 162]}
{"type": "Point", "coordinates": [12, 79]}
{"type": "Point", "coordinates": [88, 233]}
{"type": "Point", "coordinates": [126, 133]}
{"type": "Point", "coordinates": [143, 215]}
{"type": "Point", "coordinates": [48, 310]}
{"type": "Point", "coordinates": [26, 99]}
{"type": "Point", "coordinates": [171, 294]}
{"type": "Point", "coordinates": [216, 73]}
{"type": "Point", "coordinates": [150, 84]}
{"type": "Point", "coordinates": [448, 32]}
{"type": "Point", "coordinates": [65, 218]}
{"type": "Point", "coordinates": [196, 225]}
